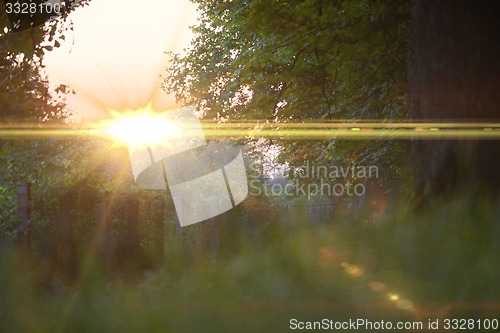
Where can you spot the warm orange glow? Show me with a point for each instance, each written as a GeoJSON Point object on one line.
{"type": "Point", "coordinates": [115, 52]}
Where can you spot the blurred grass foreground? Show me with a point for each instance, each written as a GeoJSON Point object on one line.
{"type": "Point", "coordinates": [441, 263]}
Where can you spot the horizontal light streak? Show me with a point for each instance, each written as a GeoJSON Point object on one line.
{"type": "Point", "coordinates": [292, 131]}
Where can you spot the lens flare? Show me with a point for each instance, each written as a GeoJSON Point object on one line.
{"type": "Point", "coordinates": [142, 127]}
{"type": "Point", "coordinates": [405, 304]}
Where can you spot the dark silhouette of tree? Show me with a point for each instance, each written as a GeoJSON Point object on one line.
{"type": "Point", "coordinates": [24, 91]}
{"type": "Point", "coordinates": [454, 75]}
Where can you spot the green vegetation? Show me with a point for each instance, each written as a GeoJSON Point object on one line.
{"type": "Point", "coordinates": [27, 100]}
{"type": "Point", "coordinates": [283, 60]}
{"type": "Point", "coordinates": [341, 270]}
{"type": "Point", "coordinates": [300, 61]}
{"type": "Point", "coordinates": [106, 256]}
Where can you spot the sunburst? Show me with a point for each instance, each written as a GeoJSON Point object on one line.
{"type": "Point", "coordinates": [143, 127]}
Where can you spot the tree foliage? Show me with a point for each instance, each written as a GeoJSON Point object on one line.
{"type": "Point", "coordinates": [300, 60]}
{"type": "Point", "coordinates": [24, 91]}
{"type": "Point", "coordinates": [26, 99]}
{"type": "Point", "coordinates": [307, 59]}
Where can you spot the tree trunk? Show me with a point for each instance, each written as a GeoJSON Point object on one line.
{"type": "Point", "coordinates": [454, 73]}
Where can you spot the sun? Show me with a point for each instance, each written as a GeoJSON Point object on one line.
{"type": "Point", "coordinates": [142, 127]}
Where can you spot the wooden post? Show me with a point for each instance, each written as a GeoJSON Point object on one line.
{"type": "Point", "coordinates": [214, 239]}
{"type": "Point", "coordinates": [132, 218]}
{"type": "Point", "coordinates": [179, 208]}
{"type": "Point", "coordinates": [159, 227]}
{"type": "Point", "coordinates": [328, 207]}
{"type": "Point", "coordinates": [102, 228]}
{"type": "Point", "coordinates": [67, 246]}
{"type": "Point", "coordinates": [24, 212]}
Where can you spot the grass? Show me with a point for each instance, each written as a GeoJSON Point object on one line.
{"type": "Point", "coordinates": [411, 266]}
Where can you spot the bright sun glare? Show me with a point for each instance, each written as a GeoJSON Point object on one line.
{"type": "Point", "coordinates": [142, 127]}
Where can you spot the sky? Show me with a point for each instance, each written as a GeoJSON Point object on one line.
{"type": "Point", "coordinates": [115, 56]}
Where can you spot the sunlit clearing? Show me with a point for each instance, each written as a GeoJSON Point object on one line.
{"type": "Point", "coordinates": [142, 128]}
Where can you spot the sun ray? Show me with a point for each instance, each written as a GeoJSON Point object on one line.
{"type": "Point", "coordinates": [147, 125]}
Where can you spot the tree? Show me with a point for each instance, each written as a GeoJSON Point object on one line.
{"type": "Point", "coordinates": [299, 60]}
{"type": "Point", "coordinates": [25, 99]}
{"type": "Point", "coordinates": [24, 91]}
{"type": "Point", "coordinates": [454, 75]}
{"type": "Point", "coordinates": [305, 59]}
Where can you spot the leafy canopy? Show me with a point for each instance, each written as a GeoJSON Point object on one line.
{"type": "Point", "coordinates": [300, 60]}
{"type": "Point", "coordinates": [295, 59]}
